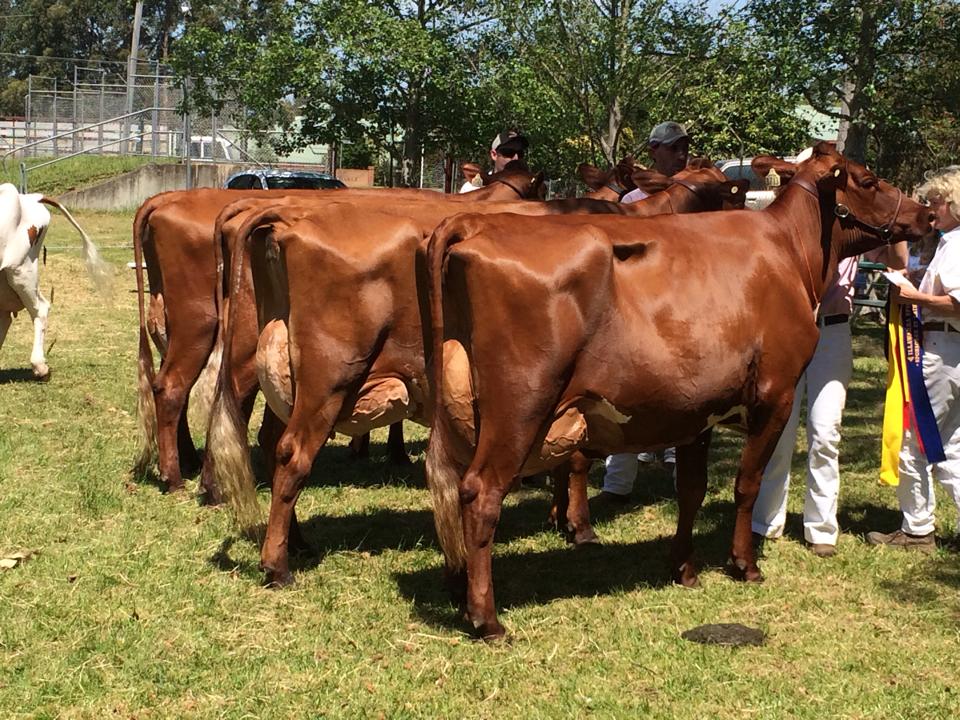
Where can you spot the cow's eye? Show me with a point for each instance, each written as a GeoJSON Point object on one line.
{"type": "Point", "coordinates": [870, 183]}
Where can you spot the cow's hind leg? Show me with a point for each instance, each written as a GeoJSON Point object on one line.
{"type": "Point", "coordinates": [306, 433]}
{"type": "Point", "coordinates": [179, 371]}
{"type": "Point", "coordinates": [691, 489]}
{"type": "Point", "coordinates": [271, 430]}
{"type": "Point", "coordinates": [25, 281]}
{"type": "Point", "coordinates": [189, 458]}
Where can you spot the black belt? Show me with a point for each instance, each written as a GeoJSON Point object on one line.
{"type": "Point", "coordinates": [832, 320]}
{"type": "Point", "coordinates": [937, 326]}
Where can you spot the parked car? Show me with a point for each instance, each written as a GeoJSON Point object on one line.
{"type": "Point", "coordinates": [277, 179]}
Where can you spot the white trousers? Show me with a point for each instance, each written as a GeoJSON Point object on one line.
{"type": "Point", "coordinates": [941, 371]}
{"type": "Point", "coordinates": [825, 382]}
{"type": "Point", "coordinates": [622, 469]}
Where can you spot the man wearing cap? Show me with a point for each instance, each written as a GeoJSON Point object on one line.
{"type": "Point", "coordinates": [508, 145]}
{"type": "Point", "coordinates": [669, 147]}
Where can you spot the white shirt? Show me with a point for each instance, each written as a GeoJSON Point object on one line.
{"type": "Point", "coordinates": [943, 275]}
{"type": "Point", "coordinates": [634, 195]}
{"type": "Point", "coordinates": [469, 186]}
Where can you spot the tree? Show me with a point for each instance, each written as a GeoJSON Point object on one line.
{"type": "Point", "coordinates": [853, 59]}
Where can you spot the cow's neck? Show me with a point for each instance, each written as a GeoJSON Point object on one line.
{"type": "Point", "coordinates": [811, 217]}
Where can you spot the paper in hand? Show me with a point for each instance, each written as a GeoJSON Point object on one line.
{"type": "Point", "coordinates": [898, 279]}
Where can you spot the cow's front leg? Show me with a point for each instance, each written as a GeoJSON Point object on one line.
{"type": "Point", "coordinates": [578, 528]}
{"type": "Point", "coordinates": [6, 319]}
{"type": "Point", "coordinates": [395, 449]}
{"type": "Point", "coordinates": [763, 435]}
{"type": "Point", "coordinates": [691, 489]}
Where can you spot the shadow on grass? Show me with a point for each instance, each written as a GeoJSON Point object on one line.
{"type": "Point", "coordinates": [336, 465]}
{"type": "Point", "coordinates": [543, 576]}
{"type": "Point", "coordinates": [20, 375]}
{"type": "Point", "coordinates": [859, 519]}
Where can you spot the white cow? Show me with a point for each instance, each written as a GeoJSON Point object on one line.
{"type": "Point", "coordinates": [23, 225]}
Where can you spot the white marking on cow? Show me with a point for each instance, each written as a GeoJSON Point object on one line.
{"type": "Point", "coordinates": [735, 411]}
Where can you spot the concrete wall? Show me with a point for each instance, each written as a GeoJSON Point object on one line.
{"type": "Point", "coordinates": [128, 191]}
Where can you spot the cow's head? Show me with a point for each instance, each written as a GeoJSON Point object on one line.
{"type": "Point", "coordinates": [869, 211]}
{"type": "Point", "coordinates": [517, 175]}
{"type": "Point", "coordinates": [618, 179]}
{"type": "Point", "coordinates": [713, 190]}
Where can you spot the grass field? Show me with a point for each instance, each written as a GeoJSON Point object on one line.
{"type": "Point", "coordinates": [138, 604]}
{"type": "Point", "coordinates": [74, 172]}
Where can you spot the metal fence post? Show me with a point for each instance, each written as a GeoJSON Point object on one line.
{"type": "Point", "coordinates": [73, 125]}
{"type": "Point", "coordinates": [23, 178]}
{"type": "Point", "coordinates": [186, 135]}
{"type": "Point", "coordinates": [155, 118]}
{"type": "Point", "coordinates": [103, 83]}
{"type": "Point", "coordinates": [56, 144]}
{"type": "Point", "coordinates": [26, 129]}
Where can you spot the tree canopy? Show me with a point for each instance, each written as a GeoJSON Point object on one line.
{"type": "Point", "coordinates": [584, 79]}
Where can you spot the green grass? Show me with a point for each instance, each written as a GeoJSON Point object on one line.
{"type": "Point", "coordinates": [144, 605]}
{"type": "Point", "coordinates": [73, 173]}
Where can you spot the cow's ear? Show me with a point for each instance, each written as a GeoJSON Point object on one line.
{"type": "Point", "coordinates": [835, 175]}
{"type": "Point", "coordinates": [734, 192]}
{"type": "Point", "coordinates": [624, 172]}
{"type": "Point", "coordinates": [650, 181]}
{"type": "Point", "coordinates": [763, 164]}
{"type": "Point", "coordinates": [540, 185]}
{"type": "Point", "coordinates": [699, 163]}
{"type": "Point", "coordinates": [592, 176]}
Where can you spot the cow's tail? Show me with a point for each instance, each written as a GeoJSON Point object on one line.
{"type": "Point", "coordinates": [101, 272]}
{"type": "Point", "coordinates": [442, 471]}
{"type": "Point", "coordinates": [204, 390]}
{"type": "Point", "coordinates": [227, 432]}
{"type": "Point", "coordinates": [146, 407]}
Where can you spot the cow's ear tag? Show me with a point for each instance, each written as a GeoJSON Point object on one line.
{"type": "Point", "coordinates": [734, 190]}
{"type": "Point", "coordinates": [836, 172]}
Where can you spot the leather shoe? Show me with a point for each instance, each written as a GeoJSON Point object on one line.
{"type": "Point", "coordinates": [822, 550]}
{"type": "Point", "coordinates": [613, 498]}
{"type": "Point", "coordinates": [904, 541]}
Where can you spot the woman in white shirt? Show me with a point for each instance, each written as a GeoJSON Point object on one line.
{"type": "Point", "coordinates": [939, 299]}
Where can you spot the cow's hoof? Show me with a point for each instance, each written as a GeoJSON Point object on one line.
{"type": "Point", "coordinates": [41, 373]}
{"type": "Point", "coordinates": [490, 631]}
{"type": "Point", "coordinates": [583, 537]}
{"type": "Point", "coordinates": [209, 498]}
{"type": "Point", "coordinates": [744, 571]}
{"type": "Point", "coordinates": [277, 579]}
{"type": "Point", "coordinates": [173, 487]}
{"type": "Point", "coordinates": [686, 576]}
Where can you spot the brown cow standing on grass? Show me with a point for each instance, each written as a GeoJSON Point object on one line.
{"type": "Point", "coordinates": [341, 345]}
{"type": "Point", "coordinates": [598, 348]}
{"type": "Point", "coordinates": [174, 233]}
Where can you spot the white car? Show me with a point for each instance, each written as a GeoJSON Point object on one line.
{"type": "Point", "coordinates": [758, 196]}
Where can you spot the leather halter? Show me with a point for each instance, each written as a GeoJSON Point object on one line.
{"type": "Point", "coordinates": [688, 185]}
{"type": "Point", "coordinates": [885, 231]}
{"type": "Point", "coordinates": [844, 212]}
{"type": "Point", "coordinates": [618, 189]}
{"type": "Point", "coordinates": [519, 192]}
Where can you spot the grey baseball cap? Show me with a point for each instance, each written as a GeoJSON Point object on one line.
{"type": "Point", "coordinates": [667, 133]}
